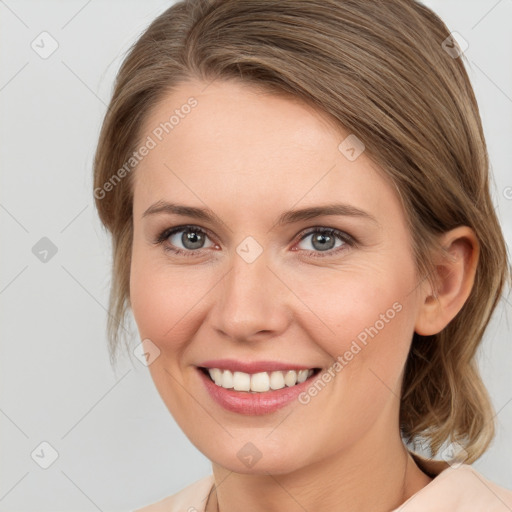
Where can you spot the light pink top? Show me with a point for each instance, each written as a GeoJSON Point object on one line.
{"type": "Point", "coordinates": [453, 489]}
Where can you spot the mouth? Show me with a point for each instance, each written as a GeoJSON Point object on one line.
{"type": "Point", "coordinates": [260, 382]}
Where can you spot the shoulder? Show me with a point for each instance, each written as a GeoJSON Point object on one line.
{"type": "Point", "coordinates": [190, 499]}
{"type": "Point", "coordinates": [457, 489]}
{"type": "Point", "coordinates": [478, 492]}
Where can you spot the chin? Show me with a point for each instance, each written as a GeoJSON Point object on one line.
{"type": "Point", "coordinates": [250, 460]}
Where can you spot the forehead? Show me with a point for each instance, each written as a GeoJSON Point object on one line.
{"type": "Point", "coordinates": [229, 140]}
{"type": "Point", "coordinates": [227, 119]}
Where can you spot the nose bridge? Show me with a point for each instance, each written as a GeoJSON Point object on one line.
{"type": "Point", "coordinates": [249, 299]}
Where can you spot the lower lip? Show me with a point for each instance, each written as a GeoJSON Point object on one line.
{"type": "Point", "coordinates": [245, 402]}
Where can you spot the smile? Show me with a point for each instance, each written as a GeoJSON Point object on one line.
{"type": "Point", "coordinates": [260, 382]}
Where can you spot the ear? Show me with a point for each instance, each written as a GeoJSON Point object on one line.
{"type": "Point", "coordinates": [454, 278]}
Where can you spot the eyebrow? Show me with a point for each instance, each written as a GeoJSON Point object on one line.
{"type": "Point", "coordinates": [289, 217]}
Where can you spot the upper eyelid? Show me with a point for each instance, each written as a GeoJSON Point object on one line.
{"type": "Point", "coordinates": [171, 231]}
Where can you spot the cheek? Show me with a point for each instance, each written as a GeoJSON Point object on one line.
{"type": "Point", "coordinates": [166, 303]}
{"type": "Point", "coordinates": [163, 307]}
{"type": "Point", "coordinates": [373, 322]}
{"type": "Point", "coordinates": [353, 300]}
{"type": "Point", "coordinates": [153, 305]}
{"type": "Point", "coordinates": [365, 321]}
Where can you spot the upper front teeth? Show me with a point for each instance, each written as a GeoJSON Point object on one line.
{"type": "Point", "coordinates": [258, 382]}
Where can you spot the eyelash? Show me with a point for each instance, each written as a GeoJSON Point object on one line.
{"type": "Point", "coordinates": [344, 237]}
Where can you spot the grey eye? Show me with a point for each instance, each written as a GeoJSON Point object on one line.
{"type": "Point", "coordinates": [321, 241]}
{"type": "Point", "coordinates": [189, 238]}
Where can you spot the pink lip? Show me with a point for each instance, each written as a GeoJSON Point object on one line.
{"type": "Point", "coordinates": [252, 367]}
{"type": "Point", "coordinates": [249, 403]}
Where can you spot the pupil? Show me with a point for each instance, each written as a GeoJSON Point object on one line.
{"type": "Point", "coordinates": [192, 240]}
{"type": "Point", "coordinates": [324, 240]}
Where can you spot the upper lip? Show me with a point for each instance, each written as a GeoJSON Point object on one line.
{"type": "Point", "coordinates": [253, 366]}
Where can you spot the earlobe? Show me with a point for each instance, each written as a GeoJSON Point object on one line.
{"type": "Point", "coordinates": [455, 270]}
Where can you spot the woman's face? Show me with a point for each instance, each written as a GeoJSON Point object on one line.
{"type": "Point", "coordinates": [258, 284]}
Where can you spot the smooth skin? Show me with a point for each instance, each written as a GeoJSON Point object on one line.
{"type": "Point", "coordinates": [249, 156]}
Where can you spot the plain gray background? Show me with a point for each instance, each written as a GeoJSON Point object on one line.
{"type": "Point", "coordinates": [118, 447]}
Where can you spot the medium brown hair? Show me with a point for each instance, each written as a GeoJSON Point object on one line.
{"type": "Point", "coordinates": [380, 69]}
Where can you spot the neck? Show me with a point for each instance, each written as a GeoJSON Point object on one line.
{"type": "Point", "coordinates": [359, 478]}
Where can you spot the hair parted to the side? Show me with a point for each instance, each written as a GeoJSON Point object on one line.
{"type": "Point", "coordinates": [379, 69]}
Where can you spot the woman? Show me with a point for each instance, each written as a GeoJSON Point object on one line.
{"type": "Point", "coordinates": [298, 198]}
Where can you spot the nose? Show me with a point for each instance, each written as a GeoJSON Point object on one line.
{"type": "Point", "coordinates": [251, 301]}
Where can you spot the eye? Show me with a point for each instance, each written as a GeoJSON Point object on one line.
{"type": "Point", "coordinates": [184, 240]}
{"type": "Point", "coordinates": [324, 240]}
{"type": "Point", "coordinates": [189, 240]}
